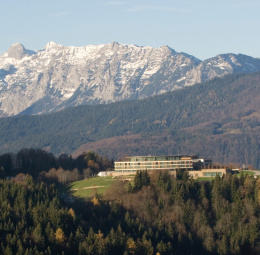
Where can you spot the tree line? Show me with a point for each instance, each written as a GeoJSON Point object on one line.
{"type": "Point", "coordinates": [46, 167]}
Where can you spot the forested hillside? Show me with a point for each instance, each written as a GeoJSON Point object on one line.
{"type": "Point", "coordinates": [157, 214]}
{"type": "Point", "coordinates": [219, 119]}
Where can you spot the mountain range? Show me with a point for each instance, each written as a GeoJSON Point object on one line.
{"type": "Point", "coordinates": [57, 77]}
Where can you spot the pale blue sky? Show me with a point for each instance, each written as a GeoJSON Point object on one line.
{"type": "Point", "coordinates": [202, 28]}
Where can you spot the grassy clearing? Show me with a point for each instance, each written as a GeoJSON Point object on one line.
{"type": "Point", "coordinates": [85, 193]}
{"type": "Point", "coordinates": [245, 172]}
{"type": "Point", "coordinates": [91, 187]}
{"type": "Point", "coordinates": [96, 181]}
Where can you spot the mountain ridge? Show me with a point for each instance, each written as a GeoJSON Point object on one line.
{"type": "Point", "coordinates": [57, 77]}
{"type": "Point", "coordinates": [219, 119]}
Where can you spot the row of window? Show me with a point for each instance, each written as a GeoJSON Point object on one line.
{"type": "Point", "coordinates": [154, 163]}
{"type": "Point", "coordinates": [155, 158]}
{"type": "Point", "coordinates": [147, 167]}
{"type": "Point", "coordinates": [212, 174]}
{"type": "Point", "coordinates": [154, 167]}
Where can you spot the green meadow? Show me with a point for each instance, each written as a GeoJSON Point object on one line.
{"type": "Point", "coordinates": [90, 187]}
{"type": "Point", "coordinates": [246, 172]}
{"type": "Point", "coordinates": [93, 186]}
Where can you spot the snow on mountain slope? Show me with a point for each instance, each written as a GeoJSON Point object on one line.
{"type": "Point", "coordinates": [35, 82]}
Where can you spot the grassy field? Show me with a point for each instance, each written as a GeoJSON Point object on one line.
{"type": "Point", "coordinates": [245, 172]}
{"type": "Point", "coordinates": [92, 186]}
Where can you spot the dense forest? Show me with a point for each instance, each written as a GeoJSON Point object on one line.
{"type": "Point", "coordinates": [156, 214]}
{"type": "Point", "coordinates": [218, 119]}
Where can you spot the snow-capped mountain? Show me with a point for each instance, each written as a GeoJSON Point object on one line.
{"type": "Point", "coordinates": [56, 77]}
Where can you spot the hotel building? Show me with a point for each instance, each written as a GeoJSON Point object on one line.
{"type": "Point", "coordinates": [197, 167]}
{"type": "Point", "coordinates": [171, 163]}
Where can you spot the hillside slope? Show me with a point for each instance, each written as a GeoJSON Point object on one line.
{"type": "Point", "coordinates": [220, 119]}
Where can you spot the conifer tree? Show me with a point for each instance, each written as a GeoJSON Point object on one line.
{"type": "Point", "coordinates": [59, 235]}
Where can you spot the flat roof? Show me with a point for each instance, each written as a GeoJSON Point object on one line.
{"type": "Point", "coordinates": [176, 155]}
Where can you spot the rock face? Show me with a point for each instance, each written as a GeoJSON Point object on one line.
{"type": "Point", "coordinates": [56, 77]}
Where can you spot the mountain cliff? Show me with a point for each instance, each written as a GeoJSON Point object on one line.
{"type": "Point", "coordinates": [56, 77]}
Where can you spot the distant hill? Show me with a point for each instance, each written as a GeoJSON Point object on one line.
{"type": "Point", "coordinates": [57, 77]}
{"type": "Point", "coordinates": [218, 119]}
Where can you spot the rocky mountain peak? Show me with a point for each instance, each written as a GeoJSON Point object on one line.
{"type": "Point", "coordinates": [168, 49]}
{"type": "Point", "coordinates": [52, 45]}
{"type": "Point", "coordinates": [16, 51]}
{"type": "Point", "coordinates": [113, 44]}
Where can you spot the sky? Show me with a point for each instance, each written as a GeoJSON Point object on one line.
{"type": "Point", "coordinates": [202, 28]}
